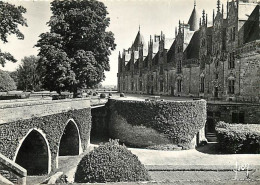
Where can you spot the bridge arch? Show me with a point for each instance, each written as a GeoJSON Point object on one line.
{"type": "Point", "coordinates": [33, 153]}
{"type": "Point", "coordinates": [70, 142]}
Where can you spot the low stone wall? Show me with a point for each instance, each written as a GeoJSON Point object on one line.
{"type": "Point", "coordinates": [16, 110]}
{"type": "Point", "coordinates": [149, 123]}
{"type": "Point", "coordinates": [11, 171]}
{"type": "Point", "coordinates": [224, 111]}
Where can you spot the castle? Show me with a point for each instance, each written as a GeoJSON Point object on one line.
{"type": "Point", "coordinates": [218, 61]}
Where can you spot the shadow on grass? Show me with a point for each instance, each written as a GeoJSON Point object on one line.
{"type": "Point", "coordinates": [210, 148]}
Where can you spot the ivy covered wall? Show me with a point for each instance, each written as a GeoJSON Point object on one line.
{"type": "Point", "coordinates": [147, 123]}
{"type": "Point", "coordinates": [51, 125]}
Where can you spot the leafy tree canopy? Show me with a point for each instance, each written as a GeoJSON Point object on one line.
{"type": "Point", "coordinates": [28, 77]}
{"type": "Point", "coordinates": [75, 53]}
{"type": "Point", "coordinates": [6, 82]}
{"type": "Point", "coordinates": [10, 17]}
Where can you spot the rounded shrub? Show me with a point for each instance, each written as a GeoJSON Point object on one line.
{"type": "Point", "coordinates": [102, 95]}
{"type": "Point", "coordinates": [110, 94]}
{"type": "Point", "coordinates": [94, 94]}
{"type": "Point", "coordinates": [110, 162]}
{"type": "Point", "coordinates": [122, 95]}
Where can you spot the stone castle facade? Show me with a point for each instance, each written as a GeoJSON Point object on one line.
{"type": "Point", "coordinates": [213, 61]}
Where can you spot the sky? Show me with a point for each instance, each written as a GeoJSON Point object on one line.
{"type": "Point", "coordinates": [153, 16]}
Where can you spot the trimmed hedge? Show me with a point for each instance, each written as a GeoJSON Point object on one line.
{"type": "Point", "coordinates": [238, 138]}
{"type": "Point", "coordinates": [102, 95]}
{"type": "Point", "coordinates": [136, 135]}
{"type": "Point", "coordinates": [122, 95]}
{"type": "Point", "coordinates": [178, 121]}
{"type": "Point", "coordinates": [110, 162]}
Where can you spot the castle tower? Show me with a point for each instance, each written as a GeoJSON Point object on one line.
{"type": "Point", "coordinates": [193, 21]}
{"type": "Point", "coordinates": [139, 40]}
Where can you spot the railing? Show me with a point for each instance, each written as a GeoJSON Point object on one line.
{"type": "Point", "coordinates": [12, 171]}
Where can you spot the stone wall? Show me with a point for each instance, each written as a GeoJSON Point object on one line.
{"type": "Point", "coordinates": [99, 128]}
{"type": "Point", "coordinates": [224, 111]}
{"type": "Point", "coordinates": [14, 128]}
{"type": "Point", "coordinates": [11, 171]}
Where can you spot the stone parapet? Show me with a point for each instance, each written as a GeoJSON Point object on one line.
{"type": "Point", "coordinates": [13, 111]}
{"type": "Point", "coordinates": [12, 171]}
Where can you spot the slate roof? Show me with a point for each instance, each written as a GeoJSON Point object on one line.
{"type": "Point", "coordinates": [145, 62]}
{"type": "Point", "coordinates": [156, 58]}
{"type": "Point", "coordinates": [168, 43]}
{"type": "Point", "coordinates": [192, 50]}
{"type": "Point", "coordinates": [138, 40]}
{"type": "Point", "coordinates": [171, 52]}
{"type": "Point", "coordinates": [251, 26]}
{"type": "Point", "coordinates": [194, 21]}
{"type": "Point", "coordinates": [187, 37]}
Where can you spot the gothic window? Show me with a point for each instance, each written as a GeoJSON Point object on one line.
{"type": "Point", "coordinates": [216, 76]}
{"type": "Point", "coordinates": [179, 81]}
{"type": "Point", "coordinates": [132, 86]}
{"type": "Point", "coordinates": [231, 86]}
{"type": "Point", "coordinates": [203, 43]}
{"type": "Point", "coordinates": [179, 49]}
{"type": "Point", "coordinates": [202, 84]}
{"type": "Point", "coordinates": [217, 63]}
{"type": "Point", "coordinates": [208, 46]}
{"type": "Point", "coordinates": [224, 39]}
{"type": "Point", "coordinates": [161, 86]}
{"type": "Point", "coordinates": [161, 69]}
{"type": "Point", "coordinates": [179, 66]}
{"type": "Point", "coordinates": [140, 85]}
{"type": "Point", "coordinates": [234, 33]}
{"type": "Point", "coordinates": [231, 63]}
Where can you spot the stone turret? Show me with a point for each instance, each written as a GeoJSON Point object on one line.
{"type": "Point", "coordinates": [193, 21]}
{"type": "Point", "coordinates": [139, 40]}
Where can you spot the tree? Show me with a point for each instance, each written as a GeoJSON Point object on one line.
{"type": "Point", "coordinates": [10, 18]}
{"type": "Point", "coordinates": [28, 77]}
{"type": "Point", "coordinates": [14, 76]}
{"type": "Point", "coordinates": [75, 53]}
{"type": "Point", "coordinates": [6, 82]}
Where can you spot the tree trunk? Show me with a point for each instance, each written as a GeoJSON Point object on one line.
{"type": "Point", "coordinates": [75, 92]}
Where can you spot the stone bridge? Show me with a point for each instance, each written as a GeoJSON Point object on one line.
{"type": "Point", "coordinates": [33, 134]}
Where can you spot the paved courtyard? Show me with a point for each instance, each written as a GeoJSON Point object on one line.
{"type": "Point", "coordinates": [195, 158]}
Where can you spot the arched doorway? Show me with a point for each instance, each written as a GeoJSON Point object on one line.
{"type": "Point", "coordinates": [33, 154]}
{"type": "Point", "coordinates": [70, 140]}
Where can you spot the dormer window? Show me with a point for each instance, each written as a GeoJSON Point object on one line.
{"type": "Point", "coordinates": [231, 86]}
{"type": "Point", "coordinates": [233, 33]}
{"type": "Point", "coordinates": [231, 63]}
{"type": "Point", "coordinates": [179, 66]}
{"type": "Point", "coordinates": [179, 50]}
{"type": "Point", "coordinates": [203, 42]}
